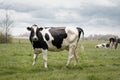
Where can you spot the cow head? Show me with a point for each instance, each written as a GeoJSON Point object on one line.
{"type": "Point", "coordinates": [34, 32]}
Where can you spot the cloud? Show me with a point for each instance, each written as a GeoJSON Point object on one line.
{"type": "Point", "coordinates": [101, 15]}
{"type": "Point", "coordinates": [91, 14]}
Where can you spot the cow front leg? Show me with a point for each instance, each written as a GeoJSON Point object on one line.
{"type": "Point", "coordinates": [111, 45]}
{"type": "Point", "coordinates": [44, 52]}
{"type": "Point", "coordinates": [116, 44]}
{"type": "Point", "coordinates": [34, 58]}
{"type": "Point", "coordinates": [36, 52]}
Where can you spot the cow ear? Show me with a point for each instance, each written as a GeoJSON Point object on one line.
{"type": "Point", "coordinates": [40, 29]}
{"type": "Point", "coordinates": [28, 28]}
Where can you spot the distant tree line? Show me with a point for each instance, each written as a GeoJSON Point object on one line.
{"type": "Point", "coordinates": [100, 37]}
{"type": "Point", "coordinates": [23, 35]}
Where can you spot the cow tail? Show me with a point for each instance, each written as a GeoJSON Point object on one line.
{"type": "Point", "coordinates": [81, 37]}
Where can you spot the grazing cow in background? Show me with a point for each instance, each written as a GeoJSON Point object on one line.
{"type": "Point", "coordinates": [54, 39]}
{"type": "Point", "coordinates": [102, 45]}
{"type": "Point", "coordinates": [114, 42]}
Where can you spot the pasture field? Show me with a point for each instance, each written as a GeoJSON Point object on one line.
{"type": "Point", "coordinates": [94, 64]}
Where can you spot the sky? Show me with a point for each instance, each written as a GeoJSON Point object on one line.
{"type": "Point", "coordinates": [93, 16]}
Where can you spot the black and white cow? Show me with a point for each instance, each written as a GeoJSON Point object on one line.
{"type": "Point", "coordinates": [54, 39]}
{"type": "Point", "coordinates": [102, 45]}
{"type": "Point", "coordinates": [114, 42]}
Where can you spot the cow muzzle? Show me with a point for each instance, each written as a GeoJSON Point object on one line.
{"type": "Point", "coordinates": [35, 39]}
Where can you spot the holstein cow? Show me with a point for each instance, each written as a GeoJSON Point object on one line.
{"type": "Point", "coordinates": [114, 42]}
{"type": "Point", "coordinates": [102, 45]}
{"type": "Point", "coordinates": [54, 39]}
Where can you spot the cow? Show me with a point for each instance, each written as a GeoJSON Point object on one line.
{"type": "Point", "coordinates": [114, 42]}
{"type": "Point", "coordinates": [54, 39]}
{"type": "Point", "coordinates": [102, 45]}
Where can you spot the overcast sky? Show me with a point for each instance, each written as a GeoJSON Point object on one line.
{"type": "Point", "coordinates": [94, 16]}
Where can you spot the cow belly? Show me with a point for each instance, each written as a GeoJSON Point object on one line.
{"type": "Point", "coordinates": [54, 48]}
{"type": "Point", "coordinates": [60, 49]}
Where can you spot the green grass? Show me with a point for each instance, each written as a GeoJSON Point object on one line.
{"type": "Point", "coordinates": [94, 64]}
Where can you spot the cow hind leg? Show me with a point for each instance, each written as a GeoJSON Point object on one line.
{"type": "Point", "coordinates": [70, 56]}
{"type": "Point", "coordinates": [72, 53]}
{"type": "Point", "coordinates": [75, 55]}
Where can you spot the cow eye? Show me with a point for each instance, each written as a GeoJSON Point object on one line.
{"type": "Point", "coordinates": [32, 32]}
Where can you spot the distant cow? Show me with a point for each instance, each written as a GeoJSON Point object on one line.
{"type": "Point", "coordinates": [102, 45]}
{"type": "Point", "coordinates": [54, 39]}
{"type": "Point", "coordinates": [114, 42]}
